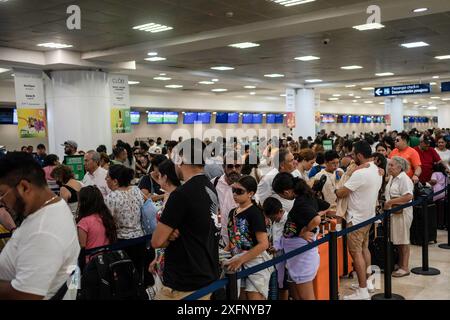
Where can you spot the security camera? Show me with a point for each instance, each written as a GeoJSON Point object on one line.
{"type": "Point", "coordinates": [326, 41]}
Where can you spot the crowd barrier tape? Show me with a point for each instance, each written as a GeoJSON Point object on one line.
{"type": "Point", "coordinates": [5, 235]}
{"type": "Point", "coordinates": [245, 273]}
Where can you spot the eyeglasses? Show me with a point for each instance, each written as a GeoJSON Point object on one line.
{"type": "Point", "coordinates": [235, 166]}
{"type": "Point", "coordinates": [238, 191]}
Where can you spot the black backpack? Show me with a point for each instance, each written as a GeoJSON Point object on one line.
{"type": "Point", "coordinates": [110, 276]}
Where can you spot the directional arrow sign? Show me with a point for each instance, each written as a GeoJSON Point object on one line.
{"type": "Point", "coordinates": [402, 90]}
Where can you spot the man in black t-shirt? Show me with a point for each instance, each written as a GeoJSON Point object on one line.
{"type": "Point", "coordinates": [189, 228]}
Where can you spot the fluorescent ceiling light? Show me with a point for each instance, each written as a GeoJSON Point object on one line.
{"type": "Point", "coordinates": [215, 80]}
{"type": "Point", "coordinates": [336, 95]}
{"type": "Point", "coordinates": [433, 83]}
{"type": "Point", "coordinates": [13, 75]}
{"type": "Point", "coordinates": [405, 101]}
{"type": "Point", "coordinates": [368, 26]}
{"type": "Point", "coordinates": [368, 102]}
{"type": "Point", "coordinates": [446, 99]}
{"type": "Point", "coordinates": [435, 98]}
{"type": "Point", "coordinates": [351, 94]}
{"type": "Point", "coordinates": [3, 70]}
{"type": "Point", "coordinates": [333, 99]}
{"type": "Point", "coordinates": [163, 74]}
{"type": "Point", "coordinates": [435, 77]}
{"type": "Point", "coordinates": [416, 102]}
{"type": "Point", "coordinates": [415, 44]}
{"type": "Point", "coordinates": [133, 82]}
{"type": "Point", "coordinates": [174, 86]}
{"type": "Point", "coordinates": [350, 86]}
{"type": "Point", "coordinates": [432, 108]}
{"type": "Point", "coordinates": [152, 54]}
{"type": "Point", "coordinates": [384, 74]}
{"type": "Point", "coordinates": [55, 45]}
{"type": "Point", "coordinates": [420, 10]}
{"type": "Point", "coordinates": [162, 78]}
{"type": "Point", "coordinates": [222, 68]}
{"type": "Point", "coordinates": [357, 97]}
{"type": "Point", "coordinates": [313, 80]}
{"type": "Point", "coordinates": [219, 90]}
{"type": "Point", "coordinates": [289, 3]}
{"type": "Point", "coordinates": [206, 82]}
{"type": "Point", "coordinates": [244, 45]}
{"type": "Point", "coordinates": [351, 67]}
{"type": "Point", "coordinates": [307, 58]}
{"type": "Point", "coordinates": [283, 95]}
{"type": "Point", "coordinates": [274, 75]}
{"type": "Point", "coordinates": [381, 103]}
{"type": "Point", "coordinates": [152, 27]}
{"type": "Point", "coordinates": [249, 87]}
{"type": "Point", "coordinates": [443, 57]}
{"type": "Point", "coordinates": [153, 59]}
{"type": "Point", "coordinates": [367, 88]}
{"type": "Point", "coordinates": [354, 101]}
{"type": "Point", "coordinates": [252, 93]}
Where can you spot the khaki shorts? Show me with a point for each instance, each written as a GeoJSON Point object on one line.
{"type": "Point", "coordinates": [167, 293]}
{"type": "Point", "coordinates": [359, 239]}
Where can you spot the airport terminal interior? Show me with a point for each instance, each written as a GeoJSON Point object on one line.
{"type": "Point", "coordinates": [319, 115]}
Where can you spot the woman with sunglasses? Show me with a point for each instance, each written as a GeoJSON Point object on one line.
{"type": "Point", "coordinates": [248, 240]}
{"type": "Point", "coordinates": [301, 228]}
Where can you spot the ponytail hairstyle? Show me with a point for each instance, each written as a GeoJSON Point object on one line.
{"type": "Point", "coordinates": [122, 174]}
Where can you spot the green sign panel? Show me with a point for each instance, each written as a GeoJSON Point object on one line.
{"type": "Point", "coordinates": [327, 145]}
{"type": "Point", "coordinates": [76, 163]}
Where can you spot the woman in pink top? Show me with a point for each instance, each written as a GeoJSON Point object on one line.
{"type": "Point", "coordinates": [96, 226]}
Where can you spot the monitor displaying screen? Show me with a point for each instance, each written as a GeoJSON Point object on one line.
{"type": "Point", "coordinates": [405, 119]}
{"type": "Point", "coordinates": [366, 119]}
{"type": "Point", "coordinates": [155, 117]}
{"type": "Point", "coordinates": [345, 119]}
{"type": "Point", "coordinates": [257, 118]}
{"type": "Point", "coordinates": [412, 119]}
{"type": "Point", "coordinates": [204, 117]}
{"type": "Point", "coordinates": [7, 116]}
{"type": "Point", "coordinates": [328, 118]}
{"type": "Point", "coordinates": [355, 119]}
{"type": "Point", "coordinates": [221, 117]}
{"type": "Point", "coordinates": [233, 117]}
{"type": "Point", "coordinates": [170, 117]}
{"type": "Point", "coordinates": [135, 117]}
{"type": "Point", "coordinates": [270, 118]}
{"type": "Point", "coordinates": [247, 118]}
{"type": "Point", "coordinates": [189, 117]}
{"type": "Point", "coordinates": [279, 118]}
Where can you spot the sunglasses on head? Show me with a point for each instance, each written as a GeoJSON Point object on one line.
{"type": "Point", "coordinates": [238, 191]}
{"type": "Point", "coordinates": [235, 166]}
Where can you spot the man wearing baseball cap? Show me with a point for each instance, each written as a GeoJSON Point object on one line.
{"type": "Point", "coordinates": [428, 157]}
{"type": "Point", "coordinates": [70, 147]}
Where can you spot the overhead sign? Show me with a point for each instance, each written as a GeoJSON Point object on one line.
{"type": "Point", "coordinates": [402, 90]}
{"type": "Point", "coordinates": [445, 86]}
{"type": "Point", "coordinates": [120, 103]}
{"type": "Point", "coordinates": [290, 100]}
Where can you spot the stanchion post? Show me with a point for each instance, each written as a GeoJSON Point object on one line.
{"type": "Point", "coordinates": [333, 265]}
{"type": "Point", "coordinates": [447, 210]}
{"type": "Point", "coordinates": [344, 246]}
{"type": "Point", "coordinates": [232, 286]}
{"type": "Point", "coordinates": [425, 269]}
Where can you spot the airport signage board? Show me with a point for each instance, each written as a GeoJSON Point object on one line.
{"type": "Point", "coordinates": [402, 90]}
{"type": "Point", "coordinates": [445, 86]}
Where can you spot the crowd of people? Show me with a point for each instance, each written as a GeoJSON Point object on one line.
{"type": "Point", "coordinates": [235, 206]}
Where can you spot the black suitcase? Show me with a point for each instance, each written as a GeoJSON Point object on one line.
{"type": "Point", "coordinates": [441, 214]}
{"type": "Point", "coordinates": [377, 248]}
{"type": "Point", "coordinates": [416, 232]}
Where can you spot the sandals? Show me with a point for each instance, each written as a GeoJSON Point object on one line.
{"type": "Point", "coordinates": [400, 273]}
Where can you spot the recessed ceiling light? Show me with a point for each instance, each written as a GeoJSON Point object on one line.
{"type": "Point", "coordinates": [249, 87]}
{"type": "Point", "coordinates": [283, 95]}
{"type": "Point", "coordinates": [163, 74]}
{"type": "Point", "coordinates": [289, 3]}
{"type": "Point", "coordinates": [162, 78]}
{"type": "Point", "coordinates": [354, 101]}
{"type": "Point", "coordinates": [333, 99]}
{"type": "Point", "coordinates": [313, 80]}
{"type": "Point", "coordinates": [446, 99]}
{"type": "Point", "coordinates": [430, 102]}
{"type": "Point", "coordinates": [351, 67]}
{"type": "Point", "coordinates": [222, 68]}
{"type": "Point", "coordinates": [405, 101]}
{"type": "Point", "coordinates": [274, 75]}
{"type": "Point", "coordinates": [244, 45]}
{"type": "Point", "coordinates": [415, 44]}
{"type": "Point", "coordinates": [435, 77]}
{"type": "Point", "coordinates": [368, 102]}
{"type": "Point", "coordinates": [357, 97]}
{"type": "Point", "coordinates": [3, 70]}
{"type": "Point", "coordinates": [351, 94]}
{"type": "Point", "coordinates": [432, 108]}
{"type": "Point", "coordinates": [384, 74]}
{"type": "Point", "coordinates": [252, 93]}
{"type": "Point", "coordinates": [174, 86]}
{"type": "Point", "coordinates": [336, 95]}
{"type": "Point", "coordinates": [435, 98]}
{"type": "Point", "coordinates": [215, 80]}
{"type": "Point", "coordinates": [152, 54]}
{"type": "Point", "coordinates": [368, 26]}
{"type": "Point", "coordinates": [219, 90]}
{"type": "Point", "coordinates": [55, 45]}
{"type": "Point", "coordinates": [350, 86]}
{"type": "Point", "coordinates": [133, 82]}
{"type": "Point", "coordinates": [152, 27]}
{"type": "Point", "coordinates": [381, 103]}
{"type": "Point", "coordinates": [367, 88]}
{"type": "Point", "coordinates": [153, 59]}
{"type": "Point", "coordinates": [420, 10]}
{"type": "Point", "coordinates": [307, 58]}
{"type": "Point", "coordinates": [443, 57]}
{"type": "Point", "coordinates": [13, 75]}
{"type": "Point", "coordinates": [433, 83]}
{"type": "Point", "coordinates": [206, 82]}
{"type": "Point", "coordinates": [416, 102]}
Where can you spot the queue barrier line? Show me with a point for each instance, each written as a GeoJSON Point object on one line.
{"type": "Point", "coordinates": [244, 273]}
{"type": "Point", "coordinates": [5, 235]}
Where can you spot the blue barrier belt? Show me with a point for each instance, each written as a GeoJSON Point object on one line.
{"type": "Point", "coordinates": [5, 235]}
{"type": "Point", "coordinates": [207, 290]}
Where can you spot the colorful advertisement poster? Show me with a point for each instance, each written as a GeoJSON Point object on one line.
{"type": "Point", "coordinates": [120, 103]}
{"type": "Point", "coordinates": [387, 119]}
{"type": "Point", "coordinates": [76, 163]}
{"type": "Point", "coordinates": [318, 120]}
{"type": "Point", "coordinates": [290, 121]}
{"type": "Point", "coordinates": [120, 120]}
{"type": "Point", "coordinates": [32, 123]}
{"type": "Point", "coordinates": [30, 101]}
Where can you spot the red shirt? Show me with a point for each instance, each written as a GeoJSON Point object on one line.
{"type": "Point", "coordinates": [428, 158]}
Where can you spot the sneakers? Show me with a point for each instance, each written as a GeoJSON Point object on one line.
{"type": "Point", "coordinates": [370, 285]}
{"type": "Point", "coordinates": [400, 273]}
{"type": "Point", "coordinates": [360, 294]}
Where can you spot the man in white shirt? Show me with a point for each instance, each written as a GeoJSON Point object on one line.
{"type": "Point", "coordinates": [42, 253]}
{"type": "Point", "coordinates": [362, 189]}
{"type": "Point", "coordinates": [232, 172]}
{"type": "Point", "coordinates": [283, 161]}
{"type": "Point", "coordinates": [95, 175]}
{"type": "Point", "coordinates": [331, 169]}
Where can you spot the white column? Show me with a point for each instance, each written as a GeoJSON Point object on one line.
{"type": "Point", "coordinates": [78, 108]}
{"type": "Point", "coordinates": [305, 114]}
{"type": "Point", "coordinates": [395, 108]}
{"type": "Point", "coordinates": [444, 116]}
{"type": "Point", "coordinates": [387, 111]}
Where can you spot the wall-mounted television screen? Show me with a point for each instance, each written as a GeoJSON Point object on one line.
{"type": "Point", "coordinates": [7, 116]}
{"type": "Point", "coordinates": [247, 118]}
{"type": "Point", "coordinates": [355, 119]}
{"type": "Point", "coordinates": [204, 117]}
{"type": "Point", "coordinates": [270, 118]}
{"type": "Point", "coordinates": [155, 117]}
{"type": "Point", "coordinates": [345, 119]}
{"type": "Point", "coordinates": [257, 118]}
{"type": "Point", "coordinates": [328, 118]}
{"type": "Point", "coordinates": [221, 117]}
{"type": "Point", "coordinates": [279, 118]}
{"type": "Point", "coordinates": [189, 117]}
{"type": "Point", "coordinates": [135, 117]}
{"type": "Point", "coordinates": [233, 117]}
{"type": "Point", "coordinates": [170, 117]}
{"type": "Point", "coordinates": [412, 119]}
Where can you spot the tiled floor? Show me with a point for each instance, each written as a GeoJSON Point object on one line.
{"type": "Point", "coordinates": [417, 287]}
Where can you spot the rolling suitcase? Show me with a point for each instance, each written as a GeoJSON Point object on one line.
{"type": "Point", "coordinates": [416, 232]}
{"type": "Point", "coordinates": [377, 247]}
